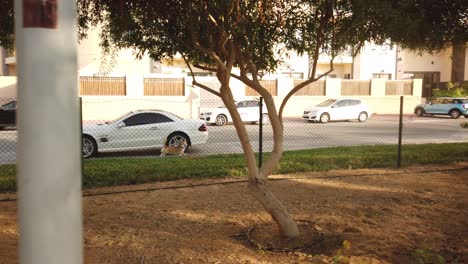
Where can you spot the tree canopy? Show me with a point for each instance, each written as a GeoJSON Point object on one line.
{"type": "Point", "coordinates": [425, 25]}
{"type": "Point", "coordinates": [6, 24]}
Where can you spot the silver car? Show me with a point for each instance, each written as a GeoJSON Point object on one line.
{"type": "Point", "coordinates": [248, 110]}
{"type": "Point", "coordinates": [337, 109]}
{"type": "Point", "coordinates": [142, 129]}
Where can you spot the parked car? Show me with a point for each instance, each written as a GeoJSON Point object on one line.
{"type": "Point", "coordinates": [8, 115]}
{"type": "Point", "coordinates": [142, 129]}
{"type": "Point", "coordinates": [248, 110]}
{"type": "Point", "coordinates": [337, 109]}
{"type": "Point", "coordinates": [454, 107]}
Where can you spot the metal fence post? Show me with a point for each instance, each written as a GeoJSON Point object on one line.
{"type": "Point", "coordinates": [400, 132]}
{"type": "Point", "coordinates": [81, 137]}
{"type": "Point", "coordinates": [260, 133]}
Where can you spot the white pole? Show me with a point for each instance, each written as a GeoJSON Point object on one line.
{"type": "Point", "coordinates": [49, 170]}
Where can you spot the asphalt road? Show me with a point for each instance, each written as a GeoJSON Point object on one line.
{"type": "Point", "coordinates": [300, 134]}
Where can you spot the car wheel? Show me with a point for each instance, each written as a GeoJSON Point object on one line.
{"type": "Point", "coordinates": [419, 112]}
{"type": "Point", "coordinates": [174, 139]}
{"type": "Point", "coordinates": [324, 118]}
{"type": "Point", "coordinates": [454, 114]}
{"type": "Point", "coordinates": [265, 119]}
{"type": "Point", "coordinates": [362, 117]}
{"type": "Point", "coordinates": [221, 120]}
{"type": "Point", "coordinates": [89, 147]}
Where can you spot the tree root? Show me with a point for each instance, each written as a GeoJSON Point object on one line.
{"type": "Point", "coordinates": [262, 237]}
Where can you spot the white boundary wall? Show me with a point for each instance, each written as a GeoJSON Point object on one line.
{"type": "Point", "coordinates": [98, 108]}
{"type": "Point", "coordinates": [8, 87]}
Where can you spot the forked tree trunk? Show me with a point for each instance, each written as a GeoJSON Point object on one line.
{"type": "Point", "coordinates": [286, 224]}
{"type": "Point", "coordinates": [257, 180]}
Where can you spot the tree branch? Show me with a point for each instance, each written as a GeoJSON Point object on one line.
{"type": "Point", "coordinates": [302, 85]}
{"type": "Point", "coordinates": [195, 83]}
{"type": "Point", "coordinates": [195, 42]}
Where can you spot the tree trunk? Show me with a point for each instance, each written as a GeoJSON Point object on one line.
{"type": "Point", "coordinates": [286, 224]}
{"type": "Point", "coordinates": [257, 180]}
{"type": "Point", "coordinates": [458, 62]}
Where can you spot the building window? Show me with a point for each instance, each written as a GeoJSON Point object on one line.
{"type": "Point", "coordinates": [294, 75]}
{"type": "Point", "coordinates": [381, 75]}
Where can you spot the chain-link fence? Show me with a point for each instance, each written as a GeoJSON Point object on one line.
{"type": "Point", "coordinates": [114, 127]}
{"type": "Point", "coordinates": [7, 130]}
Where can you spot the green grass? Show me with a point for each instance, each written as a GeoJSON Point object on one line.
{"type": "Point", "coordinates": [125, 171]}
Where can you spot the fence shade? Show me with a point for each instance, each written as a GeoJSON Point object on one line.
{"type": "Point", "coordinates": [399, 87]}
{"type": "Point", "coordinates": [316, 88]}
{"type": "Point", "coordinates": [102, 86]}
{"type": "Point", "coordinates": [164, 87]}
{"type": "Point", "coordinates": [355, 87]}
{"type": "Point", "coordinates": [270, 85]}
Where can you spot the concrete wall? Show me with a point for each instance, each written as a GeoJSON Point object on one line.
{"type": "Point", "coordinates": [8, 87]}
{"type": "Point", "coordinates": [378, 105]}
{"type": "Point", "coordinates": [378, 102]}
{"type": "Point", "coordinates": [196, 99]}
{"type": "Point", "coordinates": [109, 108]}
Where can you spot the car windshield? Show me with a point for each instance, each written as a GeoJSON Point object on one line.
{"type": "Point", "coordinates": [118, 118]}
{"type": "Point", "coordinates": [446, 100]}
{"type": "Point", "coordinates": [327, 103]}
{"type": "Point", "coordinates": [224, 106]}
{"type": "Point", "coordinates": [173, 116]}
{"type": "Point", "coordinates": [9, 106]}
{"type": "Point", "coordinates": [168, 114]}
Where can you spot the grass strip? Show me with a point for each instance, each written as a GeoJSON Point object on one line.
{"type": "Point", "coordinates": [136, 170]}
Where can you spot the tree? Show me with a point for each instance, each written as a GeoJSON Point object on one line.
{"type": "Point", "coordinates": [253, 36]}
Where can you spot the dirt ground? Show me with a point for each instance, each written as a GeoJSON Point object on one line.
{"type": "Point", "coordinates": [411, 215]}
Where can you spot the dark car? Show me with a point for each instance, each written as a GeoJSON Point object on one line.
{"type": "Point", "coordinates": [8, 115]}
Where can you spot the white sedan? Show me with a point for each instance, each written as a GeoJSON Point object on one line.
{"type": "Point", "coordinates": [248, 110]}
{"type": "Point", "coordinates": [142, 129]}
{"type": "Point", "coordinates": [337, 109]}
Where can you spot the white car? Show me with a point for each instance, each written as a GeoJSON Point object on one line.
{"type": "Point", "coordinates": [248, 110]}
{"type": "Point", "coordinates": [142, 129]}
{"type": "Point", "coordinates": [337, 109]}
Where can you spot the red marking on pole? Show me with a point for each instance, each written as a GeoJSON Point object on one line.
{"type": "Point", "coordinates": [40, 14]}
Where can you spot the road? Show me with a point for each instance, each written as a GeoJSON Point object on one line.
{"type": "Point", "coordinates": [300, 134]}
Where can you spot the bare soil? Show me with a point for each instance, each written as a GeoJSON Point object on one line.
{"type": "Point", "coordinates": [411, 215]}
